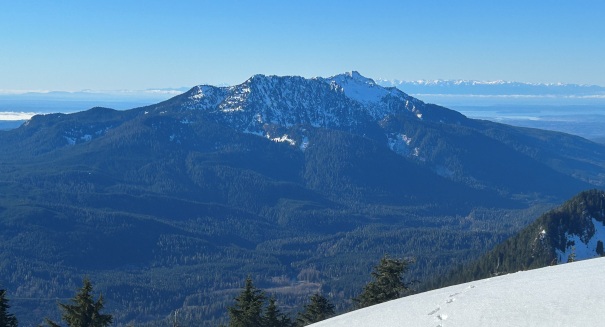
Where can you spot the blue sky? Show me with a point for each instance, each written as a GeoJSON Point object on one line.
{"type": "Point", "coordinates": [106, 45]}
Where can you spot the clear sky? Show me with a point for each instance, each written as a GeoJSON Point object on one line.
{"type": "Point", "coordinates": [107, 45]}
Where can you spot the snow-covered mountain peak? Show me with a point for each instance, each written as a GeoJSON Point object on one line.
{"type": "Point", "coordinates": [286, 95]}
{"type": "Point", "coordinates": [356, 76]}
{"type": "Point", "coordinates": [205, 96]}
{"type": "Point", "coordinates": [264, 104]}
{"type": "Point", "coordinates": [359, 88]}
{"type": "Point", "coordinates": [262, 78]}
{"type": "Point", "coordinates": [202, 91]}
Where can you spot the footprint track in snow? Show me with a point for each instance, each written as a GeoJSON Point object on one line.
{"type": "Point", "coordinates": [434, 311]}
{"type": "Point", "coordinates": [452, 298]}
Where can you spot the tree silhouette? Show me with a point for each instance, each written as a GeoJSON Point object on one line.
{"type": "Point", "coordinates": [388, 282]}
{"type": "Point", "coordinates": [6, 319]}
{"type": "Point", "coordinates": [273, 317]}
{"type": "Point", "coordinates": [319, 309]}
{"type": "Point", "coordinates": [83, 310]}
{"type": "Point", "coordinates": [248, 307]}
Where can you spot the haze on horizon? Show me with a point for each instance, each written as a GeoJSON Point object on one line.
{"type": "Point", "coordinates": [113, 45]}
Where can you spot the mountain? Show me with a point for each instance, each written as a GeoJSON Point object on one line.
{"type": "Point", "coordinates": [573, 231]}
{"type": "Point", "coordinates": [506, 88]}
{"type": "Point", "coordinates": [287, 108]}
{"type": "Point", "coordinates": [564, 295]}
{"type": "Point", "coordinates": [298, 183]}
{"type": "Point", "coordinates": [480, 154]}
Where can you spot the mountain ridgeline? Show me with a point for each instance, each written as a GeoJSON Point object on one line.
{"type": "Point", "coordinates": [296, 182]}
{"type": "Point", "coordinates": [493, 88]}
{"type": "Point", "coordinates": [573, 231]}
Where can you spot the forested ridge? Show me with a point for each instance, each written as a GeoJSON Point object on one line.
{"type": "Point", "coordinates": [536, 245]}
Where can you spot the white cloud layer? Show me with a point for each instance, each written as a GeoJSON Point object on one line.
{"type": "Point", "coordinates": [11, 115]}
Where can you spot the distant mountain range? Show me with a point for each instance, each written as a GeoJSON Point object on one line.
{"type": "Point", "coordinates": [296, 182]}
{"type": "Point", "coordinates": [451, 87]}
{"type": "Point", "coordinates": [494, 88]}
{"type": "Point", "coordinates": [92, 94]}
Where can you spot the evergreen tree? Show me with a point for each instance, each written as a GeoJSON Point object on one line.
{"type": "Point", "coordinates": [387, 284]}
{"type": "Point", "coordinates": [248, 307]}
{"type": "Point", "coordinates": [273, 317]}
{"type": "Point", "coordinates": [319, 309]}
{"type": "Point", "coordinates": [572, 255]}
{"type": "Point", "coordinates": [600, 250]}
{"type": "Point", "coordinates": [6, 319]}
{"type": "Point", "coordinates": [83, 310]}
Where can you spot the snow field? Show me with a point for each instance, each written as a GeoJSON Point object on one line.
{"type": "Point", "coordinates": [565, 295]}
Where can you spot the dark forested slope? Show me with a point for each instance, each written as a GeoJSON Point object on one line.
{"type": "Point", "coordinates": [573, 231]}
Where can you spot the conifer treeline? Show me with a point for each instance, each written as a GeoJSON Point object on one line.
{"type": "Point", "coordinates": [83, 311]}
{"type": "Point", "coordinates": [249, 308]}
{"type": "Point", "coordinates": [538, 245]}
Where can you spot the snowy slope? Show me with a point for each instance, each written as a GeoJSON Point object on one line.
{"type": "Point", "coordinates": [565, 295]}
{"type": "Point", "coordinates": [583, 246]}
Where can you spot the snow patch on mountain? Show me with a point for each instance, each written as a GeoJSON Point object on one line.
{"type": "Point", "coordinates": [206, 97]}
{"type": "Point", "coordinates": [359, 88]}
{"type": "Point", "coordinates": [582, 246]}
{"type": "Point", "coordinates": [102, 131]}
{"type": "Point", "coordinates": [70, 140]}
{"type": "Point", "coordinates": [304, 144]}
{"type": "Point", "coordinates": [84, 134]}
{"type": "Point", "coordinates": [378, 101]}
{"type": "Point", "coordinates": [399, 143]}
{"type": "Point", "coordinates": [416, 153]}
{"type": "Point", "coordinates": [236, 99]}
{"type": "Point", "coordinates": [282, 139]}
{"type": "Point", "coordinates": [563, 295]}
{"type": "Point", "coordinates": [443, 171]}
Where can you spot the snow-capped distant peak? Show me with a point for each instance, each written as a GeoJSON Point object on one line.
{"type": "Point", "coordinates": [356, 76]}
{"type": "Point", "coordinates": [265, 102]}
{"type": "Point", "coordinates": [359, 88]}
{"type": "Point", "coordinates": [200, 91]}
{"type": "Point", "coordinates": [206, 96]}
{"type": "Point", "coordinates": [495, 87]}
